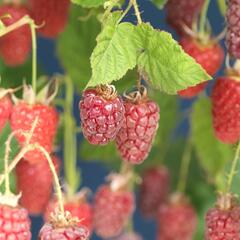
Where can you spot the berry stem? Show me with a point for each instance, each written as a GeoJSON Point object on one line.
{"type": "Point", "coordinates": [21, 22]}
{"type": "Point", "coordinates": [222, 6]}
{"type": "Point", "coordinates": [70, 142]}
{"type": "Point", "coordinates": [137, 12]}
{"type": "Point", "coordinates": [233, 168]}
{"type": "Point", "coordinates": [8, 150]}
{"type": "Point", "coordinates": [55, 177]}
{"type": "Point", "coordinates": [203, 17]}
{"type": "Point", "coordinates": [186, 158]}
{"type": "Point", "coordinates": [34, 56]}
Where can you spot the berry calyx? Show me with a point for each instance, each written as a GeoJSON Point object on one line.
{"type": "Point", "coordinates": [135, 138]}
{"type": "Point", "coordinates": [113, 206]}
{"type": "Point", "coordinates": [172, 219]}
{"type": "Point", "coordinates": [153, 190]}
{"type": "Point", "coordinates": [64, 228]}
{"type": "Point", "coordinates": [77, 206]}
{"type": "Point", "coordinates": [209, 55]}
{"type": "Point", "coordinates": [223, 221]}
{"type": "Point", "coordinates": [16, 45]}
{"type": "Point", "coordinates": [102, 114]}
{"type": "Point", "coordinates": [225, 109]}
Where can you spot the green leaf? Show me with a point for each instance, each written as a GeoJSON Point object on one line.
{"type": "Point", "coordinates": [164, 63]}
{"type": "Point", "coordinates": [160, 3]}
{"type": "Point", "coordinates": [75, 46]}
{"type": "Point", "coordinates": [89, 3]}
{"type": "Point", "coordinates": [14, 150]}
{"type": "Point", "coordinates": [213, 154]}
{"type": "Point", "coordinates": [115, 52]}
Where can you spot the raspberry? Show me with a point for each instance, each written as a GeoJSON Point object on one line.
{"type": "Point", "coordinates": [78, 208]}
{"type": "Point", "coordinates": [154, 190]}
{"type": "Point", "coordinates": [53, 15]}
{"type": "Point", "coordinates": [22, 118]}
{"type": "Point", "coordinates": [223, 223]}
{"type": "Point", "coordinates": [182, 12]}
{"type": "Point", "coordinates": [226, 109]}
{"type": "Point", "coordinates": [233, 29]}
{"type": "Point", "coordinates": [34, 181]}
{"type": "Point", "coordinates": [5, 110]}
{"type": "Point", "coordinates": [16, 45]}
{"type": "Point", "coordinates": [129, 236]}
{"type": "Point", "coordinates": [209, 56]}
{"type": "Point", "coordinates": [102, 116]}
{"type": "Point", "coordinates": [134, 140]}
{"type": "Point", "coordinates": [48, 231]}
{"type": "Point", "coordinates": [15, 223]}
{"type": "Point", "coordinates": [112, 209]}
{"type": "Point", "coordinates": [177, 218]}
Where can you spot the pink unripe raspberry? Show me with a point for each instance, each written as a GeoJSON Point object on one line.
{"type": "Point", "coordinates": [102, 114]}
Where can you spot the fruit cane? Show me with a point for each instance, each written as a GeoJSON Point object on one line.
{"type": "Point", "coordinates": [72, 175]}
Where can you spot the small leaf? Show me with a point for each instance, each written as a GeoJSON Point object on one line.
{"type": "Point", "coordinates": [164, 63]}
{"type": "Point", "coordinates": [75, 46]}
{"type": "Point", "coordinates": [89, 3]}
{"type": "Point", "coordinates": [213, 154]}
{"type": "Point", "coordinates": [115, 52]}
{"type": "Point", "coordinates": [160, 3]}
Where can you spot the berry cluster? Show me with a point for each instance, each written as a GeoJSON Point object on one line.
{"type": "Point", "coordinates": [133, 123]}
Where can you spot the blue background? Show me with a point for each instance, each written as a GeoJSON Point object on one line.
{"type": "Point", "coordinates": [93, 173]}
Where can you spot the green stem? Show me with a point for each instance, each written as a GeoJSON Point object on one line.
{"type": "Point", "coordinates": [137, 12]}
{"type": "Point", "coordinates": [70, 143]}
{"type": "Point", "coordinates": [222, 6]}
{"type": "Point", "coordinates": [56, 179]}
{"type": "Point", "coordinates": [186, 158]}
{"type": "Point", "coordinates": [203, 17]}
{"type": "Point", "coordinates": [34, 56]}
{"type": "Point", "coordinates": [233, 168]}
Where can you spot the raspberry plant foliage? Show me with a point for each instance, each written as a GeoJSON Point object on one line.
{"type": "Point", "coordinates": [121, 50]}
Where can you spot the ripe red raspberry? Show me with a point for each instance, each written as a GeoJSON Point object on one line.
{"type": "Point", "coordinates": [35, 182]}
{"type": "Point", "coordinates": [223, 221]}
{"type": "Point", "coordinates": [233, 29]}
{"type": "Point", "coordinates": [53, 15]}
{"type": "Point", "coordinates": [16, 45]}
{"type": "Point", "coordinates": [209, 56]}
{"type": "Point", "coordinates": [5, 110]}
{"type": "Point", "coordinates": [177, 218]}
{"type": "Point", "coordinates": [48, 231]}
{"type": "Point", "coordinates": [153, 190]}
{"type": "Point", "coordinates": [182, 12]}
{"type": "Point", "coordinates": [78, 208]}
{"type": "Point", "coordinates": [102, 115]}
{"type": "Point", "coordinates": [112, 209]}
{"type": "Point", "coordinates": [134, 140]}
{"type": "Point", "coordinates": [15, 223]}
{"type": "Point", "coordinates": [226, 109]}
{"type": "Point", "coordinates": [22, 118]}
